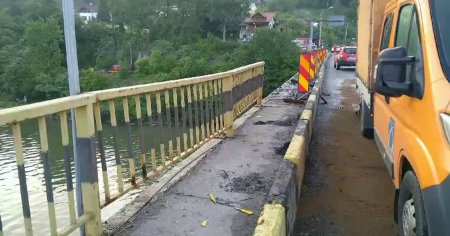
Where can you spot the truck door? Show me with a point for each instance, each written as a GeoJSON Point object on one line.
{"type": "Point", "coordinates": [394, 115]}
{"type": "Point", "coordinates": [381, 106]}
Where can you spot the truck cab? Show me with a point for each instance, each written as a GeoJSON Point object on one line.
{"type": "Point", "coordinates": [406, 107]}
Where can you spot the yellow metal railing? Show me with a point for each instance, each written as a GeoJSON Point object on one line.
{"type": "Point", "coordinates": [180, 115]}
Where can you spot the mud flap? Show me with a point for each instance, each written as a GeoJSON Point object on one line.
{"type": "Point", "coordinates": [366, 120]}
{"type": "Point", "coordinates": [397, 191]}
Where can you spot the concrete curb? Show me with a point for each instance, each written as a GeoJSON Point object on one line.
{"type": "Point", "coordinates": [279, 214]}
{"type": "Point", "coordinates": [269, 223]}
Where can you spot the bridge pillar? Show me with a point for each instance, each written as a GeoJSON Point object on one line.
{"type": "Point", "coordinates": [88, 168]}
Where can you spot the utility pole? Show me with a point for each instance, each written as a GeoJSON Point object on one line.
{"type": "Point", "coordinates": [311, 35]}
{"type": "Point", "coordinates": [74, 88]}
{"type": "Point", "coordinates": [320, 29]}
{"type": "Point", "coordinates": [321, 22]}
{"type": "Point", "coordinates": [131, 56]}
{"type": "Point", "coordinates": [346, 34]}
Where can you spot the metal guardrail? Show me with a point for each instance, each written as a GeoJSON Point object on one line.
{"type": "Point", "coordinates": [198, 109]}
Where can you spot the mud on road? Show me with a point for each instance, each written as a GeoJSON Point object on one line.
{"type": "Point", "coordinates": [347, 189]}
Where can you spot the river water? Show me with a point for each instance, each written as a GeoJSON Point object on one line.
{"type": "Point", "coordinates": [10, 199]}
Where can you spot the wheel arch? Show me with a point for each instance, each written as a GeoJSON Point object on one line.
{"type": "Point", "coordinates": [420, 162]}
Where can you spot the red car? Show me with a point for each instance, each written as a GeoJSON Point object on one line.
{"type": "Point", "coordinates": [346, 57]}
{"type": "Point", "coordinates": [114, 69]}
{"type": "Point", "coordinates": [336, 48]}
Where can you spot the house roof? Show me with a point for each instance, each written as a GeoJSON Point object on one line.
{"type": "Point", "coordinates": [260, 18]}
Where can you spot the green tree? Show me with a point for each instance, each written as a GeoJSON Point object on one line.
{"type": "Point", "coordinates": [13, 75]}
{"type": "Point", "coordinates": [42, 39]}
{"type": "Point", "coordinates": [92, 81]}
{"type": "Point", "coordinates": [104, 11]}
{"type": "Point", "coordinates": [9, 30]}
{"type": "Point", "coordinates": [227, 14]}
{"type": "Point", "coordinates": [276, 49]}
{"type": "Point", "coordinates": [44, 59]}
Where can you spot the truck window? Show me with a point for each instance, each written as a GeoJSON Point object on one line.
{"type": "Point", "coordinates": [408, 36]}
{"type": "Point", "coordinates": [404, 24]}
{"type": "Point", "coordinates": [386, 32]}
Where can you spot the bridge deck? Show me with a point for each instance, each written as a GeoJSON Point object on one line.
{"type": "Point", "coordinates": [239, 172]}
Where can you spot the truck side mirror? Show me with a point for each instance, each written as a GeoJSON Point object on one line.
{"type": "Point", "coordinates": [391, 72]}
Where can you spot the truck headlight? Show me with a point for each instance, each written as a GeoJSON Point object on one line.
{"type": "Point", "coordinates": [446, 123]}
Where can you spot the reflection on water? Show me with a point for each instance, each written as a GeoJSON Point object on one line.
{"type": "Point", "coordinates": [10, 199]}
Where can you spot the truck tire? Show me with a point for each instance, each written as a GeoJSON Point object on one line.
{"type": "Point", "coordinates": [338, 67]}
{"type": "Point", "coordinates": [334, 65]}
{"type": "Point", "coordinates": [366, 120]}
{"type": "Point", "coordinates": [411, 211]}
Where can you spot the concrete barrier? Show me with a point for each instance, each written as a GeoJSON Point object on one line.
{"type": "Point", "coordinates": [279, 214]}
{"type": "Point", "coordinates": [272, 221]}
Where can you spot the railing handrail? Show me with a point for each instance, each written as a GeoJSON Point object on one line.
{"type": "Point", "coordinates": [35, 110]}
{"type": "Point", "coordinates": [108, 94]}
{"type": "Point", "coordinates": [103, 95]}
{"type": "Point", "coordinates": [31, 111]}
{"type": "Point", "coordinates": [247, 67]}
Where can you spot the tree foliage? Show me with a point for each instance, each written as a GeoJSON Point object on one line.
{"type": "Point", "coordinates": [34, 67]}
{"type": "Point", "coordinates": [104, 12]}
{"type": "Point", "coordinates": [92, 81]}
{"type": "Point", "coordinates": [277, 51]}
{"type": "Point", "coordinates": [167, 39]}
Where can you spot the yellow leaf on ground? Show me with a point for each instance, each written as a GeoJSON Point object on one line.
{"type": "Point", "coordinates": [248, 212]}
{"type": "Point", "coordinates": [212, 197]}
{"type": "Point", "coordinates": [205, 223]}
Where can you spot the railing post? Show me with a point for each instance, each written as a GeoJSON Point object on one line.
{"type": "Point", "coordinates": [22, 179]}
{"type": "Point", "coordinates": [228, 105]}
{"type": "Point", "coordinates": [1, 228]}
{"type": "Point", "coordinates": [88, 169]}
{"type": "Point", "coordinates": [260, 72]}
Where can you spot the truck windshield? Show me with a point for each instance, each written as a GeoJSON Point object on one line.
{"type": "Point", "coordinates": [439, 11]}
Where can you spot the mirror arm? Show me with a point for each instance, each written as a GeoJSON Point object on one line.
{"type": "Point", "coordinates": [410, 60]}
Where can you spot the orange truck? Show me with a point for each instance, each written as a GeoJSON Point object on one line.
{"type": "Point", "coordinates": [403, 77]}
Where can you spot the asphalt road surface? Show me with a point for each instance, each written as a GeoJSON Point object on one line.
{"type": "Point", "coordinates": [347, 189]}
{"type": "Point", "coordinates": [238, 172]}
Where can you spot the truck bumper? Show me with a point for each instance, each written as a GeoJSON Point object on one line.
{"type": "Point", "coordinates": [437, 208]}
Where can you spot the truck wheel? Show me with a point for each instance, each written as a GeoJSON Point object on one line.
{"type": "Point", "coordinates": [411, 211]}
{"type": "Point", "coordinates": [338, 67]}
{"type": "Point", "coordinates": [334, 65]}
{"type": "Point", "coordinates": [366, 120]}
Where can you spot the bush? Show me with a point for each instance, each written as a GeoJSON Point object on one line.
{"type": "Point", "coordinates": [144, 66]}
{"type": "Point", "coordinates": [124, 71]}
{"type": "Point", "coordinates": [92, 81]}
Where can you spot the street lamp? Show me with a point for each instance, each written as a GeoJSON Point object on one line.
{"type": "Point", "coordinates": [74, 89]}
{"type": "Point", "coordinates": [346, 32]}
{"type": "Point", "coordinates": [311, 34]}
{"type": "Point", "coordinates": [321, 22]}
